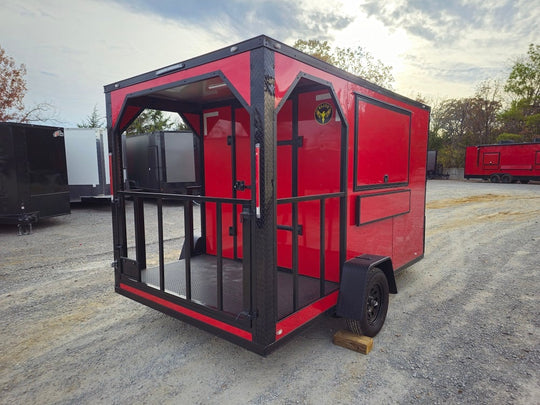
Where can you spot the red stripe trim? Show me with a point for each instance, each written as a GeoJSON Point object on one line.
{"type": "Point", "coordinates": [306, 314]}
{"type": "Point", "coordinates": [188, 312]}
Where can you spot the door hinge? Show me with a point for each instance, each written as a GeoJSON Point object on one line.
{"type": "Point", "coordinates": [240, 185]}
{"type": "Point", "coordinates": [247, 315]}
{"type": "Point", "coordinates": [299, 229]}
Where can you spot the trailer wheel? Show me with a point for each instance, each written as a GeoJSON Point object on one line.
{"type": "Point", "coordinates": [506, 178]}
{"type": "Point", "coordinates": [495, 178]}
{"type": "Point", "coordinates": [376, 305]}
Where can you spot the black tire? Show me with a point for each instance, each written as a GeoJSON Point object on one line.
{"type": "Point", "coordinates": [495, 178]}
{"type": "Point", "coordinates": [506, 178]}
{"type": "Point", "coordinates": [376, 305]}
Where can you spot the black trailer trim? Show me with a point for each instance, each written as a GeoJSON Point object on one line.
{"type": "Point", "coordinates": [263, 229]}
{"type": "Point", "coordinates": [239, 321]}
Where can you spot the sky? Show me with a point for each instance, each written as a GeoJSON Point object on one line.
{"type": "Point", "coordinates": [437, 48]}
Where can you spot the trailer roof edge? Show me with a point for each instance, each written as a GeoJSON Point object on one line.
{"type": "Point", "coordinates": [504, 144]}
{"type": "Point", "coordinates": [258, 42]}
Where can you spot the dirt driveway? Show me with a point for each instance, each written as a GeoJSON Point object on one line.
{"type": "Point", "coordinates": [464, 327]}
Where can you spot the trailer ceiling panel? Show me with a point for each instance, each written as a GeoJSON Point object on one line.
{"type": "Point", "coordinates": [197, 93]}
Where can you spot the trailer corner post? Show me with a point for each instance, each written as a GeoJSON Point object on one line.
{"type": "Point", "coordinates": [264, 257]}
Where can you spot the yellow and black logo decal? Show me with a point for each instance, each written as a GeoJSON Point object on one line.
{"type": "Point", "coordinates": [323, 113]}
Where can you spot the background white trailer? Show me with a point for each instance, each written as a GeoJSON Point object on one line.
{"type": "Point", "coordinates": [87, 157]}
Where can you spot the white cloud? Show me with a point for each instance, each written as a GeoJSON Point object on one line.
{"type": "Point", "coordinates": [71, 49]}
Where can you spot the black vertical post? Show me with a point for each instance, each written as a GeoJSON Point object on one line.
{"type": "Point", "coordinates": [295, 145]}
{"type": "Point", "coordinates": [322, 247]}
{"type": "Point", "coordinates": [188, 243]}
{"type": "Point", "coordinates": [202, 181]}
{"type": "Point", "coordinates": [263, 252]}
{"type": "Point", "coordinates": [118, 203]}
{"type": "Point", "coordinates": [140, 240]}
{"type": "Point", "coordinates": [247, 303]}
{"type": "Point", "coordinates": [219, 254]}
{"type": "Point", "coordinates": [343, 189]}
{"type": "Point", "coordinates": [233, 171]}
{"type": "Point", "coordinates": [295, 254]}
{"type": "Point", "coordinates": [160, 241]}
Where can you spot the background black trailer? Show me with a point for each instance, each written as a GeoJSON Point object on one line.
{"type": "Point", "coordinates": [434, 170]}
{"type": "Point", "coordinates": [161, 161]}
{"type": "Point", "coordinates": [33, 174]}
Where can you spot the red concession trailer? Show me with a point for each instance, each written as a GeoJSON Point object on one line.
{"type": "Point", "coordinates": [311, 194]}
{"type": "Point", "coordinates": [505, 163]}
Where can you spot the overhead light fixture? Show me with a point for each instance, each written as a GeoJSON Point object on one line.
{"type": "Point", "coordinates": [216, 86]}
{"type": "Point", "coordinates": [171, 68]}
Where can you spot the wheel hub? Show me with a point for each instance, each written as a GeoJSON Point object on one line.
{"type": "Point", "coordinates": [373, 304]}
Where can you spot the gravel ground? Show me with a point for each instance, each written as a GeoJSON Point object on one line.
{"type": "Point", "coordinates": [464, 327]}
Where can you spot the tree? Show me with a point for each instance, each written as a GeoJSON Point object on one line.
{"type": "Point", "coordinates": [180, 125]}
{"type": "Point", "coordinates": [150, 121]}
{"type": "Point", "coordinates": [12, 88]}
{"type": "Point", "coordinates": [524, 79]}
{"type": "Point", "coordinates": [458, 123]}
{"type": "Point", "coordinates": [485, 107]}
{"type": "Point", "coordinates": [353, 60]}
{"type": "Point", "coordinates": [452, 123]}
{"type": "Point", "coordinates": [522, 117]}
{"type": "Point", "coordinates": [12, 91]}
{"type": "Point", "coordinates": [361, 63]}
{"type": "Point", "coordinates": [94, 120]}
{"type": "Point", "coordinates": [319, 49]}
{"type": "Point", "coordinates": [515, 138]}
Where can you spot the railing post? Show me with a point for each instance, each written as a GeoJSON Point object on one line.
{"type": "Point", "coordinates": [160, 241]}
{"type": "Point", "coordinates": [246, 260]}
{"type": "Point", "coordinates": [322, 246]}
{"type": "Point", "coordinates": [219, 266]}
{"type": "Point", "coordinates": [140, 242]}
{"type": "Point", "coordinates": [188, 243]}
{"type": "Point", "coordinates": [295, 254]}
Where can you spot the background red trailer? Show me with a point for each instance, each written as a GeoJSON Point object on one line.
{"type": "Point", "coordinates": [312, 194]}
{"type": "Point", "coordinates": [505, 163]}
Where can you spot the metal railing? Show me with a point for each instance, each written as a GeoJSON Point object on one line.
{"type": "Point", "coordinates": [297, 230]}
{"type": "Point", "coordinates": [139, 198]}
